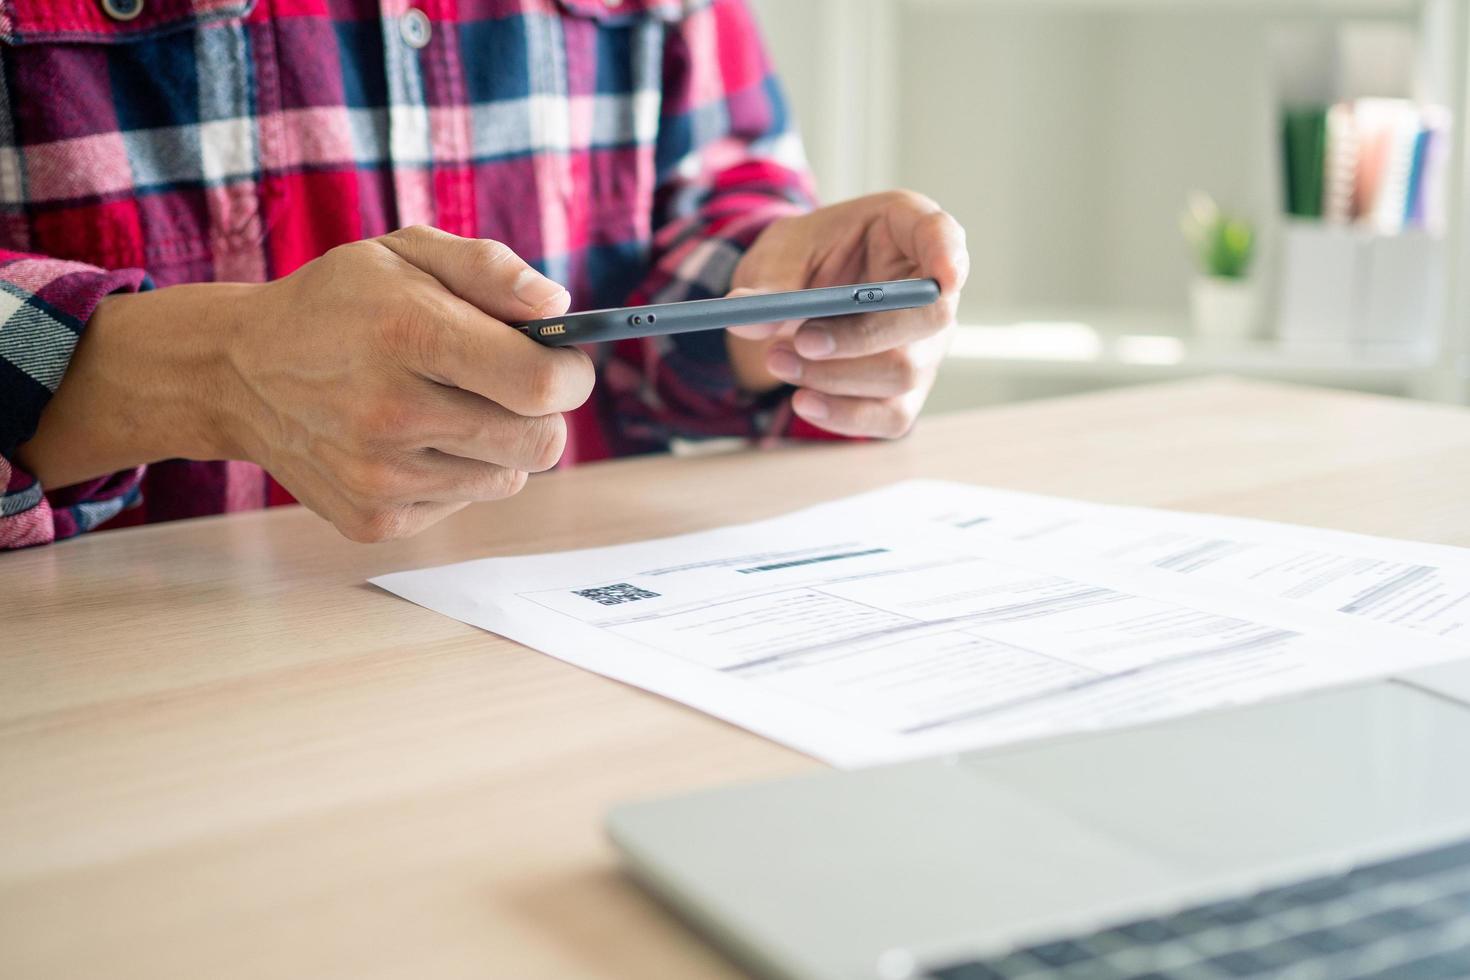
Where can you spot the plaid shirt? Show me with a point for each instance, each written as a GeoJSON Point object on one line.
{"type": "Point", "coordinates": [630, 149]}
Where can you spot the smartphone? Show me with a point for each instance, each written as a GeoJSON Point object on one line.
{"type": "Point", "coordinates": [716, 314]}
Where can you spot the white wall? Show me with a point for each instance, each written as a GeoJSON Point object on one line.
{"type": "Point", "coordinates": [998, 126]}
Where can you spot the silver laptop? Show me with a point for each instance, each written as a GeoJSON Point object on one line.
{"type": "Point", "coordinates": [1323, 836]}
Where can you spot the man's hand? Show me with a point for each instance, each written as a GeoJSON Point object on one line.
{"type": "Point", "coordinates": [864, 375]}
{"type": "Point", "coordinates": [381, 386]}
{"type": "Point", "coordinates": [378, 383]}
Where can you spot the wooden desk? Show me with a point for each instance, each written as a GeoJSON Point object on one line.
{"type": "Point", "coordinates": [222, 755]}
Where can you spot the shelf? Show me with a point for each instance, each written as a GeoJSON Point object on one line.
{"type": "Point", "coordinates": [1126, 345]}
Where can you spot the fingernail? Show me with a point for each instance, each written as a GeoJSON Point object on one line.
{"type": "Point", "coordinates": [815, 342]}
{"type": "Point", "coordinates": [784, 364]}
{"type": "Point", "coordinates": [811, 406]}
{"type": "Point", "coordinates": [534, 289]}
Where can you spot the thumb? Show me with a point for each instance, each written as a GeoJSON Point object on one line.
{"type": "Point", "coordinates": [482, 272]}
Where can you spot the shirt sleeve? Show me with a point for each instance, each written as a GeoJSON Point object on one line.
{"type": "Point", "coordinates": [728, 163]}
{"type": "Point", "coordinates": [45, 305]}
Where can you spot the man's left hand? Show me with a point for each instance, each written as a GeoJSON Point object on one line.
{"type": "Point", "coordinates": [861, 375]}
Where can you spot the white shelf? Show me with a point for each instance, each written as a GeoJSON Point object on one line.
{"type": "Point", "coordinates": [1121, 345]}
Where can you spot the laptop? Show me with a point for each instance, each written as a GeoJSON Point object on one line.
{"type": "Point", "coordinates": [1324, 836]}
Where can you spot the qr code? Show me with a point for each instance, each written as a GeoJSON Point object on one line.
{"type": "Point", "coordinates": [616, 595]}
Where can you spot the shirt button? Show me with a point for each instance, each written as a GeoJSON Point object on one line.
{"type": "Point", "coordinates": [414, 26]}
{"type": "Point", "coordinates": [122, 9]}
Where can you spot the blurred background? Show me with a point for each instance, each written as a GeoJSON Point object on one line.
{"type": "Point", "coordinates": [1164, 188]}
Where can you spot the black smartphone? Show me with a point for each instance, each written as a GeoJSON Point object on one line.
{"type": "Point", "coordinates": [716, 314]}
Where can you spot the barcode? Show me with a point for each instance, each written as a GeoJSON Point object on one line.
{"type": "Point", "coordinates": [615, 595]}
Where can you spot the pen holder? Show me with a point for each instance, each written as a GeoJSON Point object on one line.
{"type": "Point", "coordinates": [1347, 286]}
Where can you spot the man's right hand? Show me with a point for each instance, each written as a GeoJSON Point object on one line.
{"type": "Point", "coordinates": [379, 383]}
{"type": "Point", "coordinates": [381, 386]}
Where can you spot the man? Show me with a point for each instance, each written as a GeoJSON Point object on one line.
{"type": "Point", "coordinates": [198, 259]}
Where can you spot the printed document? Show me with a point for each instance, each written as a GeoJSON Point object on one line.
{"type": "Point", "coordinates": [932, 617]}
{"type": "Point", "coordinates": [1421, 587]}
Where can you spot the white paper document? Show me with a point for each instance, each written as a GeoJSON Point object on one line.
{"type": "Point", "coordinates": [1421, 587]}
{"type": "Point", "coordinates": [934, 617]}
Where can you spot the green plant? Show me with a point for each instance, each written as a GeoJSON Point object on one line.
{"type": "Point", "coordinates": [1223, 244]}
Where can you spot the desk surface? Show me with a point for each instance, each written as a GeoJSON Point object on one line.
{"type": "Point", "coordinates": [223, 755]}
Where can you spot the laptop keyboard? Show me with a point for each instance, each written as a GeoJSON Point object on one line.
{"type": "Point", "coordinates": [1405, 919]}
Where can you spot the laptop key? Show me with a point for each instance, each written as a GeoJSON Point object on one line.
{"type": "Point", "coordinates": [1190, 922]}
{"type": "Point", "coordinates": [1454, 905]}
{"type": "Point", "coordinates": [1240, 963]}
{"type": "Point", "coordinates": [1108, 941]}
{"type": "Point", "coordinates": [1317, 892]}
{"type": "Point", "coordinates": [1149, 931]}
{"type": "Point", "coordinates": [1280, 954]}
{"type": "Point", "coordinates": [1062, 953]}
{"type": "Point", "coordinates": [1231, 913]}
{"type": "Point", "coordinates": [1090, 970]}
{"type": "Point", "coordinates": [1445, 965]}
{"type": "Point", "coordinates": [1390, 922]}
{"type": "Point", "coordinates": [1327, 941]}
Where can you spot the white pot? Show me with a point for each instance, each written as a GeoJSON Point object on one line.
{"type": "Point", "coordinates": [1225, 309]}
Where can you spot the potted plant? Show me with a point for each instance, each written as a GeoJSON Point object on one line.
{"type": "Point", "coordinates": [1223, 297]}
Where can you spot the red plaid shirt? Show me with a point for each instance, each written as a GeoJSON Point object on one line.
{"type": "Point", "coordinates": [630, 149]}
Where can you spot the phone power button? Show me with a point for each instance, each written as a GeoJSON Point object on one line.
{"type": "Point", "coordinates": [870, 295]}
